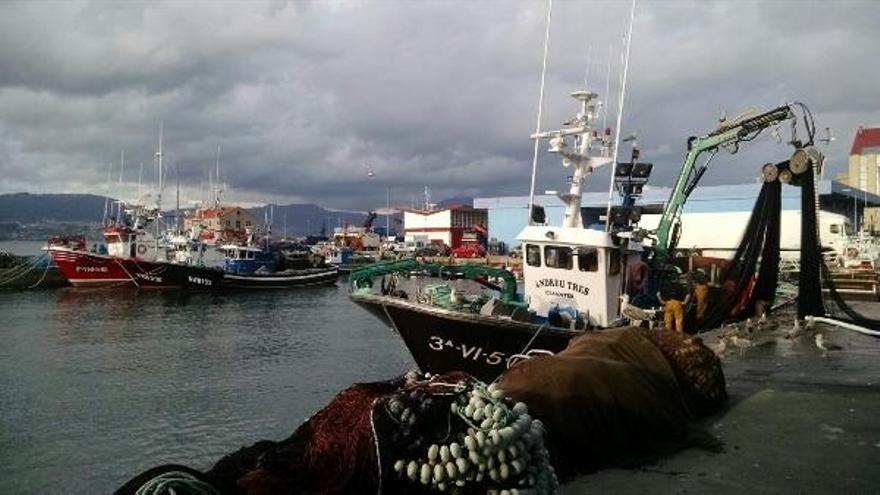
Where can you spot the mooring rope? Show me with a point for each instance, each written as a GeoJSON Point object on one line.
{"type": "Point", "coordinates": [176, 483]}
{"type": "Point", "coordinates": [43, 277]}
{"type": "Point", "coordinates": [21, 270]}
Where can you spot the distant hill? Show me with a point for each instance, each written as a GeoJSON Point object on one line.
{"type": "Point", "coordinates": [34, 208]}
{"type": "Point", "coordinates": [22, 209]}
{"type": "Point", "coordinates": [307, 218]}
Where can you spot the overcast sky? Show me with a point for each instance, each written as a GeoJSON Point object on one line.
{"type": "Point", "coordinates": [305, 98]}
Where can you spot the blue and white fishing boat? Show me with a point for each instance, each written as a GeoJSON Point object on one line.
{"type": "Point", "coordinates": [249, 266]}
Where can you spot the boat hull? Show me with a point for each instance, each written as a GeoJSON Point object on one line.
{"type": "Point", "coordinates": [84, 269]}
{"type": "Point", "coordinates": [282, 280]}
{"type": "Point", "coordinates": [163, 275]}
{"type": "Point", "coordinates": [441, 340]}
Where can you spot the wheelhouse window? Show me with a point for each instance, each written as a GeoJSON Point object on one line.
{"type": "Point", "coordinates": [613, 262]}
{"type": "Point", "coordinates": [533, 255]}
{"type": "Point", "coordinates": [835, 229]}
{"type": "Point", "coordinates": [588, 260]}
{"type": "Point", "coordinates": [558, 257]}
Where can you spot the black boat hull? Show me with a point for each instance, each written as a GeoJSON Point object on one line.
{"type": "Point", "coordinates": [440, 340]}
{"type": "Point", "coordinates": [165, 275]}
{"type": "Point", "coordinates": [284, 280]}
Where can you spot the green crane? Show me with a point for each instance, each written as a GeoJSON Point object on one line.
{"type": "Point", "coordinates": [728, 136]}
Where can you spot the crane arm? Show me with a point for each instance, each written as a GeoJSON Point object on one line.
{"type": "Point", "coordinates": [728, 135]}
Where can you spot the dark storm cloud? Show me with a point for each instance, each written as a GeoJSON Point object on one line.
{"type": "Point", "coordinates": [305, 98]}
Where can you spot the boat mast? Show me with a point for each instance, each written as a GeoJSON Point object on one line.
{"type": "Point", "coordinates": [160, 184]}
{"type": "Point", "coordinates": [177, 204]}
{"type": "Point", "coordinates": [581, 129]}
{"type": "Point", "coordinates": [107, 194]}
{"type": "Point", "coordinates": [118, 201]}
{"type": "Point", "coordinates": [632, 15]}
{"type": "Point", "coordinates": [540, 111]}
{"type": "Point", "coordinates": [218, 191]}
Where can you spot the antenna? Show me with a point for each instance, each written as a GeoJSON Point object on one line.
{"type": "Point", "coordinates": [121, 169]}
{"type": "Point", "coordinates": [540, 110]}
{"type": "Point", "coordinates": [177, 205]}
{"type": "Point", "coordinates": [607, 89]}
{"type": "Point", "coordinates": [140, 175]}
{"type": "Point", "coordinates": [160, 181]}
{"type": "Point", "coordinates": [632, 15]}
{"type": "Point", "coordinates": [217, 192]}
{"type": "Point", "coordinates": [107, 195]}
{"type": "Point", "coordinates": [589, 67]}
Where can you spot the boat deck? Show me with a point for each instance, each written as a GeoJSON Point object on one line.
{"type": "Point", "coordinates": [798, 421]}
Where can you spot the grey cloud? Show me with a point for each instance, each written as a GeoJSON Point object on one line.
{"type": "Point", "coordinates": [304, 98]}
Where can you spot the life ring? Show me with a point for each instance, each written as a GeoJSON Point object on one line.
{"type": "Point", "coordinates": [142, 249]}
{"type": "Point", "coordinates": [852, 252]}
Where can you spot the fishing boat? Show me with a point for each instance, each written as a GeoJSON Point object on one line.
{"type": "Point", "coordinates": [256, 267]}
{"type": "Point", "coordinates": [573, 276]}
{"type": "Point", "coordinates": [134, 257]}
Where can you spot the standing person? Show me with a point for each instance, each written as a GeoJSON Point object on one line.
{"type": "Point", "coordinates": [673, 309]}
{"type": "Point", "coordinates": [701, 292]}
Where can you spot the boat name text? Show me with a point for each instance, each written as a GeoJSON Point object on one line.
{"type": "Point", "coordinates": [199, 280]}
{"type": "Point", "coordinates": [92, 269]}
{"type": "Point", "coordinates": [150, 278]}
{"type": "Point", "coordinates": [561, 284]}
{"type": "Point", "coordinates": [475, 353]}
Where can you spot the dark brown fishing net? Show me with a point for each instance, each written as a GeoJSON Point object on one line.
{"type": "Point", "coordinates": [696, 367]}
{"type": "Point", "coordinates": [331, 453]}
{"type": "Point", "coordinates": [611, 397]}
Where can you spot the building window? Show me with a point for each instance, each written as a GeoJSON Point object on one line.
{"type": "Point", "coordinates": [557, 257]}
{"type": "Point", "coordinates": [588, 260]}
{"type": "Point", "coordinates": [613, 262]}
{"type": "Point", "coordinates": [533, 255]}
{"type": "Point", "coordinates": [238, 224]}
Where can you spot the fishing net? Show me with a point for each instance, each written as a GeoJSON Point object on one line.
{"type": "Point", "coordinates": [696, 367]}
{"type": "Point", "coordinates": [450, 433]}
{"type": "Point", "coordinates": [810, 276]}
{"type": "Point", "coordinates": [815, 272]}
{"type": "Point", "coordinates": [752, 277]}
{"type": "Point", "coordinates": [613, 397]}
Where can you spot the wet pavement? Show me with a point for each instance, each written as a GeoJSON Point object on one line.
{"type": "Point", "coordinates": [799, 419]}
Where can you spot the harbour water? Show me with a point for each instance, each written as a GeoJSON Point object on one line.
{"type": "Point", "coordinates": [98, 385]}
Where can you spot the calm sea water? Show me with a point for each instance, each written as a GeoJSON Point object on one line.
{"type": "Point", "coordinates": [97, 385]}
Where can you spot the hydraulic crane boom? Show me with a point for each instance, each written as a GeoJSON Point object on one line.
{"type": "Point", "coordinates": [726, 136]}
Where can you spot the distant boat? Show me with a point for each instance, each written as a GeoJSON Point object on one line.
{"type": "Point", "coordinates": [252, 267]}
{"type": "Point", "coordinates": [133, 257]}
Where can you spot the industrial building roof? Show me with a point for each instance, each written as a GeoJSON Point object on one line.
{"type": "Point", "coordinates": [731, 197]}
{"type": "Point", "coordinates": [866, 138]}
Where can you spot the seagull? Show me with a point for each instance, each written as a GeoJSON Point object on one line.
{"type": "Point", "coordinates": [634, 313]}
{"type": "Point", "coordinates": [740, 342]}
{"type": "Point", "coordinates": [721, 347]}
{"type": "Point", "coordinates": [826, 346]}
{"type": "Point", "coordinates": [794, 331]}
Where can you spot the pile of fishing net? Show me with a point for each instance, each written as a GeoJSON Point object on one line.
{"type": "Point", "coordinates": [619, 397]}
{"type": "Point", "coordinates": [448, 433]}
{"type": "Point", "coordinates": [614, 397]}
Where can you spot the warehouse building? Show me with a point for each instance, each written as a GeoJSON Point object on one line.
{"type": "Point", "coordinates": [453, 226]}
{"type": "Point", "coordinates": [508, 215]}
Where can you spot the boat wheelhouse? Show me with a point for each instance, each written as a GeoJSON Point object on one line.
{"type": "Point", "coordinates": [574, 270]}
{"type": "Point", "coordinates": [246, 260]}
